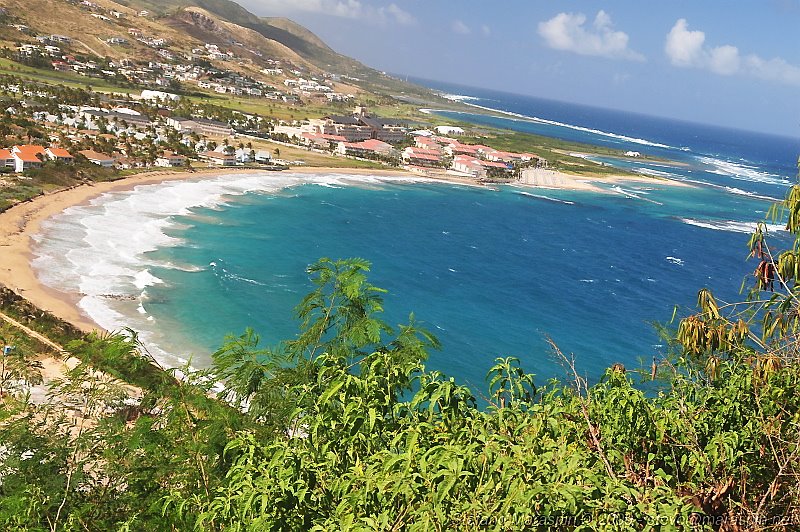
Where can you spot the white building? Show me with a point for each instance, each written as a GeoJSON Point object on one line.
{"type": "Point", "coordinates": [449, 130]}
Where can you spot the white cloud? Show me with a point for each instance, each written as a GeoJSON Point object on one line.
{"type": "Point", "coordinates": [686, 48]}
{"type": "Point", "coordinates": [569, 32]}
{"type": "Point", "coordinates": [353, 9]}
{"type": "Point", "coordinates": [459, 27]}
{"type": "Point", "coordinates": [401, 17]}
{"type": "Point", "coordinates": [486, 30]}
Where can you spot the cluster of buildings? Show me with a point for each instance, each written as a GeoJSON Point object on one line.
{"type": "Point", "coordinates": [473, 160]}
{"type": "Point", "coordinates": [174, 67]}
{"type": "Point", "coordinates": [352, 128]}
{"type": "Point", "coordinates": [130, 138]}
{"type": "Point", "coordinates": [312, 87]}
{"type": "Point", "coordinates": [29, 156]}
{"type": "Point", "coordinates": [201, 126]}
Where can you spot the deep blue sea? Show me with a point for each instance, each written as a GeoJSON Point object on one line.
{"type": "Point", "coordinates": [491, 272]}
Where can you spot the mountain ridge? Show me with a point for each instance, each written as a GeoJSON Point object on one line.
{"type": "Point", "coordinates": [282, 30]}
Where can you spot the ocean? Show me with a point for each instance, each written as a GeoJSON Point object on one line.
{"type": "Point", "coordinates": [491, 272]}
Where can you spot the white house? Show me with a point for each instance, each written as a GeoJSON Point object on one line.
{"type": "Point", "coordinates": [449, 130]}
{"type": "Point", "coordinates": [27, 156]}
{"type": "Point", "coordinates": [100, 159]}
{"type": "Point", "coordinates": [158, 95]}
{"type": "Point", "coordinates": [222, 159]}
{"type": "Point", "coordinates": [169, 159]}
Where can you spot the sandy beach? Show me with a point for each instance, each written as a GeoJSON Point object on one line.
{"type": "Point", "coordinates": [19, 223]}
{"type": "Point", "coordinates": [553, 179]}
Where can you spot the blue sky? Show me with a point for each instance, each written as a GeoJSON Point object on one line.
{"type": "Point", "coordinates": [711, 61]}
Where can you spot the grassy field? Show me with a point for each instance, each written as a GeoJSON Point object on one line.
{"type": "Point", "coordinates": [310, 158]}
{"type": "Point", "coordinates": [67, 79]}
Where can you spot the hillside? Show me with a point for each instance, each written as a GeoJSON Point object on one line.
{"type": "Point", "coordinates": [280, 30]}
{"type": "Point", "coordinates": [142, 31]}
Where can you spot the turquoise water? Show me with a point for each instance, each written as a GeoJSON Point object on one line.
{"type": "Point", "coordinates": [491, 272]}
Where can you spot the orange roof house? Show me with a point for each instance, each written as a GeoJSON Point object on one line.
{"type": "Point", "coordinates": [29, 151]}
{"type": "Point", "coordinates": [59, 154]}
{"type": "Point", "coordinates": [27, 156]}
{"type": "Point", "coordinates": [6, 159]}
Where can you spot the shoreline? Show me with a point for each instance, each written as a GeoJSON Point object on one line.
{"type": "Point", "coordinates": [23, 220]}
{"type": "Point", "coordinates": [19, 223]}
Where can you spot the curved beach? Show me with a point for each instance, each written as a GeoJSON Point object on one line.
{"type": "Point", "coordinates": [23, 221]}
{"type": "Point", "coordinates": [19, 223]}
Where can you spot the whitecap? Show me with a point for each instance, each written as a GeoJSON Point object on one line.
{"type": "Point", "coordinates": [731, 225]}
{"type": "Point", "coordinates": [548, 198]}
{"type": "Point", "coordinates": [104, 247]}
{"type": "Point", "coordinates": [742, 172]}
{"type": "Point", "coordinates": [529, 118]}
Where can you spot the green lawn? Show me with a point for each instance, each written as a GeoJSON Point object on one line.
{"type": "Point", "coordinates": [67, 79]}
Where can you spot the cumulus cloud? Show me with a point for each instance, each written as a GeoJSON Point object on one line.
{"type": "Point", "coordinates": [569, 32]}
{"type": "Point", "coordinates": [459, 27]}
{"type": "Point", "coordinates": [353, 9]}
{"type": "Point", "coordinates": [686, 48]}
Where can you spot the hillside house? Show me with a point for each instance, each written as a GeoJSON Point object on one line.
{"type": "Point", "coordinates": [6, 159]}
{"type": "Point", "coordinates": [59, 154]}
{"type": "Point", "coordinates": [27, 156]}
{"type": "Point", "coordinates": [100, 159]}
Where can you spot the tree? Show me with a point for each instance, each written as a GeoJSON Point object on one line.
{"type": "Point", "coordinates": [17, 370]}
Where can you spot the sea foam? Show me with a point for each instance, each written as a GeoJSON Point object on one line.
{"type": "Point", "coordinates": [731, 225]}
{"type": "Point", "coordinates": [101, 251]}
{"type": "Point", "coordinates": [519, 116]}
{"type": "Point", "coordinates": [741, 171]}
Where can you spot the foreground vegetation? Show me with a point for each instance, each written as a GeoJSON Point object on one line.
{"type": "Point", "coordinates": [342, 427]}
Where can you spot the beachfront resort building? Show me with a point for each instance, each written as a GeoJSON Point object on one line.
{"type": "Point", "coordinates": [219, 158]}
{"type": "Point", "coordinates": [170, 160]}
{"type": "Point", "coordinates": [263, 156]}
{"type": "Point", "coordinates": [27, 156]}
{"type": "Point", "coordinates": [476, 168]}
{"type": "Point", "coordinates": [365, 148]}
{"type": "Point", "coordinates": [361, 126]}
{"type": "Point", "coordinates": [421, 157]}
{"type": "Point", "coordinates": [322, 141]}
{"type": "Point", "coordinates": [201, 126]}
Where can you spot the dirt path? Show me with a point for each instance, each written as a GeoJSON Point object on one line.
{"type": "Point", "coordinates": [55, 367]}
{"type": "Point", "coordinates": [33, 334]}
